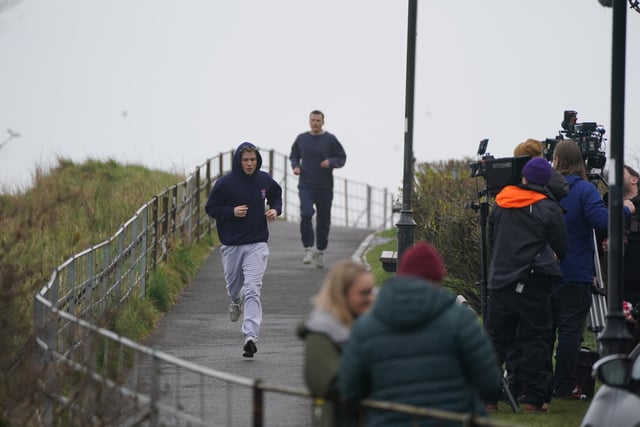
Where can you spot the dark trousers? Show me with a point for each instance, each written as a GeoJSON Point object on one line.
{"type": "Point", "coordinates": [570, 307]}
{"type": "Point", "coordinates": [524, 318]}
{"type": "Point", "coordinates": [321, 198]}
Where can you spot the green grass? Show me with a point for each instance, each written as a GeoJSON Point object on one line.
{"type": "Point", "coordinates": [68, 209]}
{"type": "Point", "coordinates": [373, 254]}
{"type": "Point", "coordinates": [564, 413]}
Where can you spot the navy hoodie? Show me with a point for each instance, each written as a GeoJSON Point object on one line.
{"type": "Point", "coordinates": [308, 151]}
{"type": "Point", "coordinates": [237, 188]}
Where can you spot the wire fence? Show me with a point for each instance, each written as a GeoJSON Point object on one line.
{"type": "Point", "coordinates": [92, 375]}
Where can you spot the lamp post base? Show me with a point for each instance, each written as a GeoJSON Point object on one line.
{"type": "Point", "coordinates": [615, 338]}
{"type": "Point", "coordinates": [406, 226]}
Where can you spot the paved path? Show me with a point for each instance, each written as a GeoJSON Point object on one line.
{"type": "Point", "coordinates": [197, 328]}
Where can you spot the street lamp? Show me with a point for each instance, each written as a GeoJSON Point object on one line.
{"type": "Point", "coordinates": [406, 224]}
{"type": "Point", "coordinates": [615, 337]}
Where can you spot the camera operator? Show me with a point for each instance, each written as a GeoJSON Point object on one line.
{"type": "Point", "coordinates": [559, 188]}
{"type": "Point", "coordinates": [631, 277]}
{"type": "Point", "coordinates": [585, 210]}
{"type": "Point", "coordinates": [527, 234]}
{"type": "Point", "coordinates": [631, 291]}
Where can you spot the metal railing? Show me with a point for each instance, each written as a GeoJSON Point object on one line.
{"type": "Point", "coordinates": [91, 373]}
{"type": "Point", "coordinates": [138, 398]}
{"type": "Point", "coordinates": [355, 204]}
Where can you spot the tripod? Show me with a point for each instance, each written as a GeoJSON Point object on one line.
{"type": "Point", "coordinates": [596, 319]}
{"type": "Point", "coordinates": [598, 311]}
{"type": "Point", "coordinates": [483, 208]}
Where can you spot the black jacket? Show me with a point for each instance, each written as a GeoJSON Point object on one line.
{"type": "Point", "coordinates": [527, 233]}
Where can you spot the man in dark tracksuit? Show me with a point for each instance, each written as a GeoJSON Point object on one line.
{"type": "Point", "coordinates": [527, 234]}
{"type": "Point", "coordinates": [314, 156]}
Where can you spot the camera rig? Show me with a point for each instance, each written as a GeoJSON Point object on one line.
{"type": "Point", "coordinates": [588, 135]}
{"type": "Point", "coordinates": [497, 173]}
{"type": "Point", "coordinates": [501, 172]}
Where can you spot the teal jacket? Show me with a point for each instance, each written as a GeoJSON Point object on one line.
{"type": "Point", "coordinates": [418, 347]}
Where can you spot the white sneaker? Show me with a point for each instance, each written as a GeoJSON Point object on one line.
{"type": "Point", "coordinates": [319, 259]}
{"type": "Point", "coordinates": [235, 310]}
{"type": "Point", "coordinates": [308, 256]}
{"type": "Point", "coordinates": [249, 346]}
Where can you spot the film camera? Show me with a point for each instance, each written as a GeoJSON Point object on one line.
{"type": "Point", "coordinates": [501, 172]}
{"type": "Point", "coordinates": [588, 136]}
{"type": "Point", "coordinates": [497, 173]}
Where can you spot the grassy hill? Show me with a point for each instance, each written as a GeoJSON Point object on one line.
{"type": "Point", "coordinates": [67, 210]}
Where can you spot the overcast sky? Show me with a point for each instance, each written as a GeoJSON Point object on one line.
{"type": "Point", "coordinates": [169, 84]}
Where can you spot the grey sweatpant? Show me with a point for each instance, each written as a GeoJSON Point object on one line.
{"type": "Point", "coordinates": [244, 267]}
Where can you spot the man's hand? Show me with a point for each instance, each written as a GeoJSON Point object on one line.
{"type": "Point", "coordinates": [240, 211]}
{"type": "Point", "coordinates": [325, 164]}
{"type": "Point", "coordinates": [271, 215]}
{"type": "Point", "coordinates": [629, 204]}
{"type": "Point", "coordinates": [296, 171]}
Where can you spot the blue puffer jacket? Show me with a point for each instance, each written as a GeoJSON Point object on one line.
{"type": "Point", "coordinates": [418, 347]}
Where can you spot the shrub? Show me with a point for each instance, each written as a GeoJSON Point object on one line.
{"type": "Point", "coordinates": [441, 192]}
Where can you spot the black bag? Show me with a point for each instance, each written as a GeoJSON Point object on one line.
{"type": "Point", "coordinates": [584, 364]}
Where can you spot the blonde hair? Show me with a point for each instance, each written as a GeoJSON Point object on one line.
{"type": "Point", "coordinates": [531, 147]}
{"type": "Point", "coordinates": [569, 160]}
{"type": "Point", "coordinates": [333, 294]}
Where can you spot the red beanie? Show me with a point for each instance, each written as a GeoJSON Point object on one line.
{"type": "Point", "coordinates": [422, 260]}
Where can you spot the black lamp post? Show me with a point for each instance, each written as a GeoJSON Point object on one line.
{"type": "Point", "coordinates": [406, 224]}
{"type": "Point", "coordinates": [615, 338]}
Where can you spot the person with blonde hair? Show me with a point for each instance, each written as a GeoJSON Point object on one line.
{"type": "Point", "coordinates": [534, 148]}
{"type": "Point", "coordinates": [347, 293]}
{"type": "Point", "coordinates": [530, 147]}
